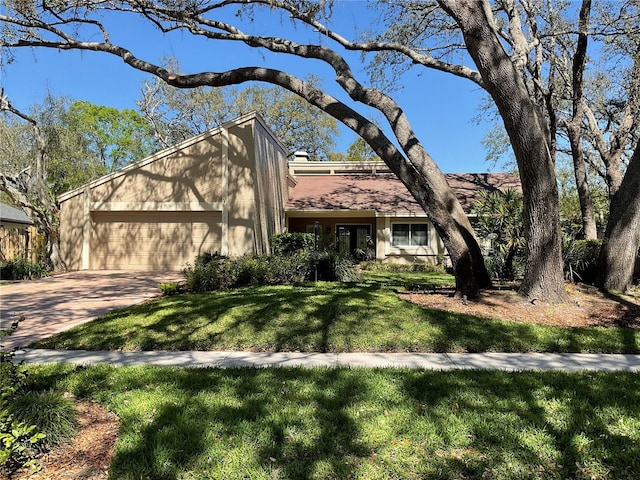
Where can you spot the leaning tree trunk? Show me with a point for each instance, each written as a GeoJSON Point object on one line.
{"type": "Point", "coordinates": [621, 243]}
{"type": "Point", "coordinates": [430, 188]}
{"type": "Point", "coordinates": [530, 139]}
{"type": "Point", "coordinates": [428, 185]}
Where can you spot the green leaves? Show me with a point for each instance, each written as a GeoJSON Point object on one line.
{"type": "Point", "coordinates": [113, 137]}
{"type": "Point", "coordinates": [177, 114]}
{"type": "Point", "coordinates": [500, 220]}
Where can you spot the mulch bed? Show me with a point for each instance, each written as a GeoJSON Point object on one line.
{"type": "Point", "coordinates": [88, 455]}
{"type": "Point", "coordinates": [587, 307]}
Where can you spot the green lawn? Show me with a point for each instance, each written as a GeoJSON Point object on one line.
{"type": "Point", "coordinates": [324, 317]}
{"type": "Point", "coordinates": [362, 424]}
{"type": "Point", "coordinates": [351, 423]}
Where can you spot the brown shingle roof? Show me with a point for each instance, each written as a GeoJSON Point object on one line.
{"type": "Point", "coordinates": [385, 193]}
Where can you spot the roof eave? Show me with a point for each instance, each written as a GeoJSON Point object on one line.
{"type": "Point", "coordinates": [166, 152]}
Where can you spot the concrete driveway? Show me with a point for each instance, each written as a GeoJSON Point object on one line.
{"type": "Point", "coordinates": [57, 303]}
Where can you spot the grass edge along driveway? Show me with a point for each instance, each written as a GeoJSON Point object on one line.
{"type": "Point", "coordinates": [324, 317]}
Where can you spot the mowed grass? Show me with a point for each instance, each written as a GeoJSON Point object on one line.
{"type": "Point", "coordinates": [324, 317]}
{"type": "Point", "coordinates": [363, 424]}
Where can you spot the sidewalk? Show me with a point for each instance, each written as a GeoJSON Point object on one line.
{"type": "Point", "coordinates": [568, 362]}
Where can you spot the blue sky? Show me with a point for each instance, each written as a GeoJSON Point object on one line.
{"type": "Point", "coordinates": [440, 107]}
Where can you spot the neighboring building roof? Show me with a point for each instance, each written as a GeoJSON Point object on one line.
{"type": "Point", "coordinates": [15, 215]}
{"type": "Point", "coordinates": [385, 193]}
{"type": "Point", "coordinates": [467, 186]}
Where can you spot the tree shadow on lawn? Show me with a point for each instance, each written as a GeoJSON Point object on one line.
{"type": "Point", "coordinates": [236, 423]}
{"type": "Point", "coordinates": [257, 318]}
{"type": "Point", "coordinates": [272, 319]}
{"type": "Point", "coordinates": [467, 333]}
{"type": "Point", "coordinates": [324, 318]}
{"type": "Point", "coordinates": [532, 425]}
{"type": "Point", "coordinates": [293, 423]}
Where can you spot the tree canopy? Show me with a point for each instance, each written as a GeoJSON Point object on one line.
{"type": "Point", "coordinates": [498, 45]}
{"type": "Point", "coordinates": [177, 114]}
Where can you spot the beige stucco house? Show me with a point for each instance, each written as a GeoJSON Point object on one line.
{"type": "Point", "coordinates": [223, 191]}
{"type": "Point", "coordinates": [231, 189]}
{"type": "Point", "coordinates": [363, 206]}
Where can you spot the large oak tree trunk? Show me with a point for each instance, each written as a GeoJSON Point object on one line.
{"type": "Point", "coordinates": [622, 237]}
{"type": "Point", "coordinates": [529, 136]}
{"type": "Point", "coordinates": [429, 187]}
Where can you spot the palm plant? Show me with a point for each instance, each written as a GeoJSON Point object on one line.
{"type": "Point", "coordinates": [500, 220]}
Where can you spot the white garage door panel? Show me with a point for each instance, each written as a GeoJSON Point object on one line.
{"type": "Point", "coordinates": [152, 240]}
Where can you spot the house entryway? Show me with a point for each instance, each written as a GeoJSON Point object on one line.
{"type": "Point", "coordinates": [354, 239]}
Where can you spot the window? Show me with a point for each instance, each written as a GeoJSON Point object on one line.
{"type": "Point", "coordinates": [410, 234]}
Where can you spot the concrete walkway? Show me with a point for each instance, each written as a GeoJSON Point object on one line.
{"type": "Point", "coordinates": [57, 303]}
{"type": "Point", "coordinates": [568, 362]}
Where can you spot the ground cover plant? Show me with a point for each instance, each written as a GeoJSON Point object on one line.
{"type": "Point", "coordinates": [362, 424]}
{"type": "Point", "coordinates": [408, 279]}
{"type": "Point", "coordinates": [324, 317]}
{"type": "Point", "coordinates": [30, 421]}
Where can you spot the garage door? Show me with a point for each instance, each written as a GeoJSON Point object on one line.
{"type": "Point", "coordinates": [152, 240]}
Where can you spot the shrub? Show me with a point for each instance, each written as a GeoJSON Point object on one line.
{"type": "Point", "coordinates": [19, 441]}
{"type": "Point", "coordinates": [52, 414]}
{"type": "Point", "coordinates": [500, 267]}
{"type": "Point", "coordinates": [204, 275]}
{"type": "Point", "coordinates": [580, 259]}
{"type": "Point", "coordinates": [218, 272]}
{"type": "Point", "coordinates": [21, 269]}
{"type": "Point", "coordinates": [290, 243]}
{"type": "Point", "coordinates": [344, 269]}
{"type": "Point", "coordinates": [336, 266]}
{"type": "Point", "coordinates": [170, 288]}
{"type": "Point", "coordinates": [295, 268]}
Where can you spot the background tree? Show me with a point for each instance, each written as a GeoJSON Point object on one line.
{"type": "Point", "coordinates": [70, 163]}
{"type": "Point", "coordinates": [299, 125]}
{"type": "Point", "coordinates": [61, 145]}
{"type": "Point", "coordinates": [177, 114]}
{"type": "Point", "coordinates": [27, 186]}
{"type": "Point", "coordinates": [500, 221]}
{"type": "Point", "coordinates": [360, 151]}
{"type": "Point", "coordinates": [112, 137]}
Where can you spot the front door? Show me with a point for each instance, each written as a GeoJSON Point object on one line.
{"type": "Point", "coordinates": [354, 240]}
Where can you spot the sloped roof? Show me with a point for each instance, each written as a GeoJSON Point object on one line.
{"type": "Point", "coordinates": [253, 115]}
{"type": "Point", "coordinates": [385, 193]}
{"type": "Point", "coordinates": [12, 214]}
